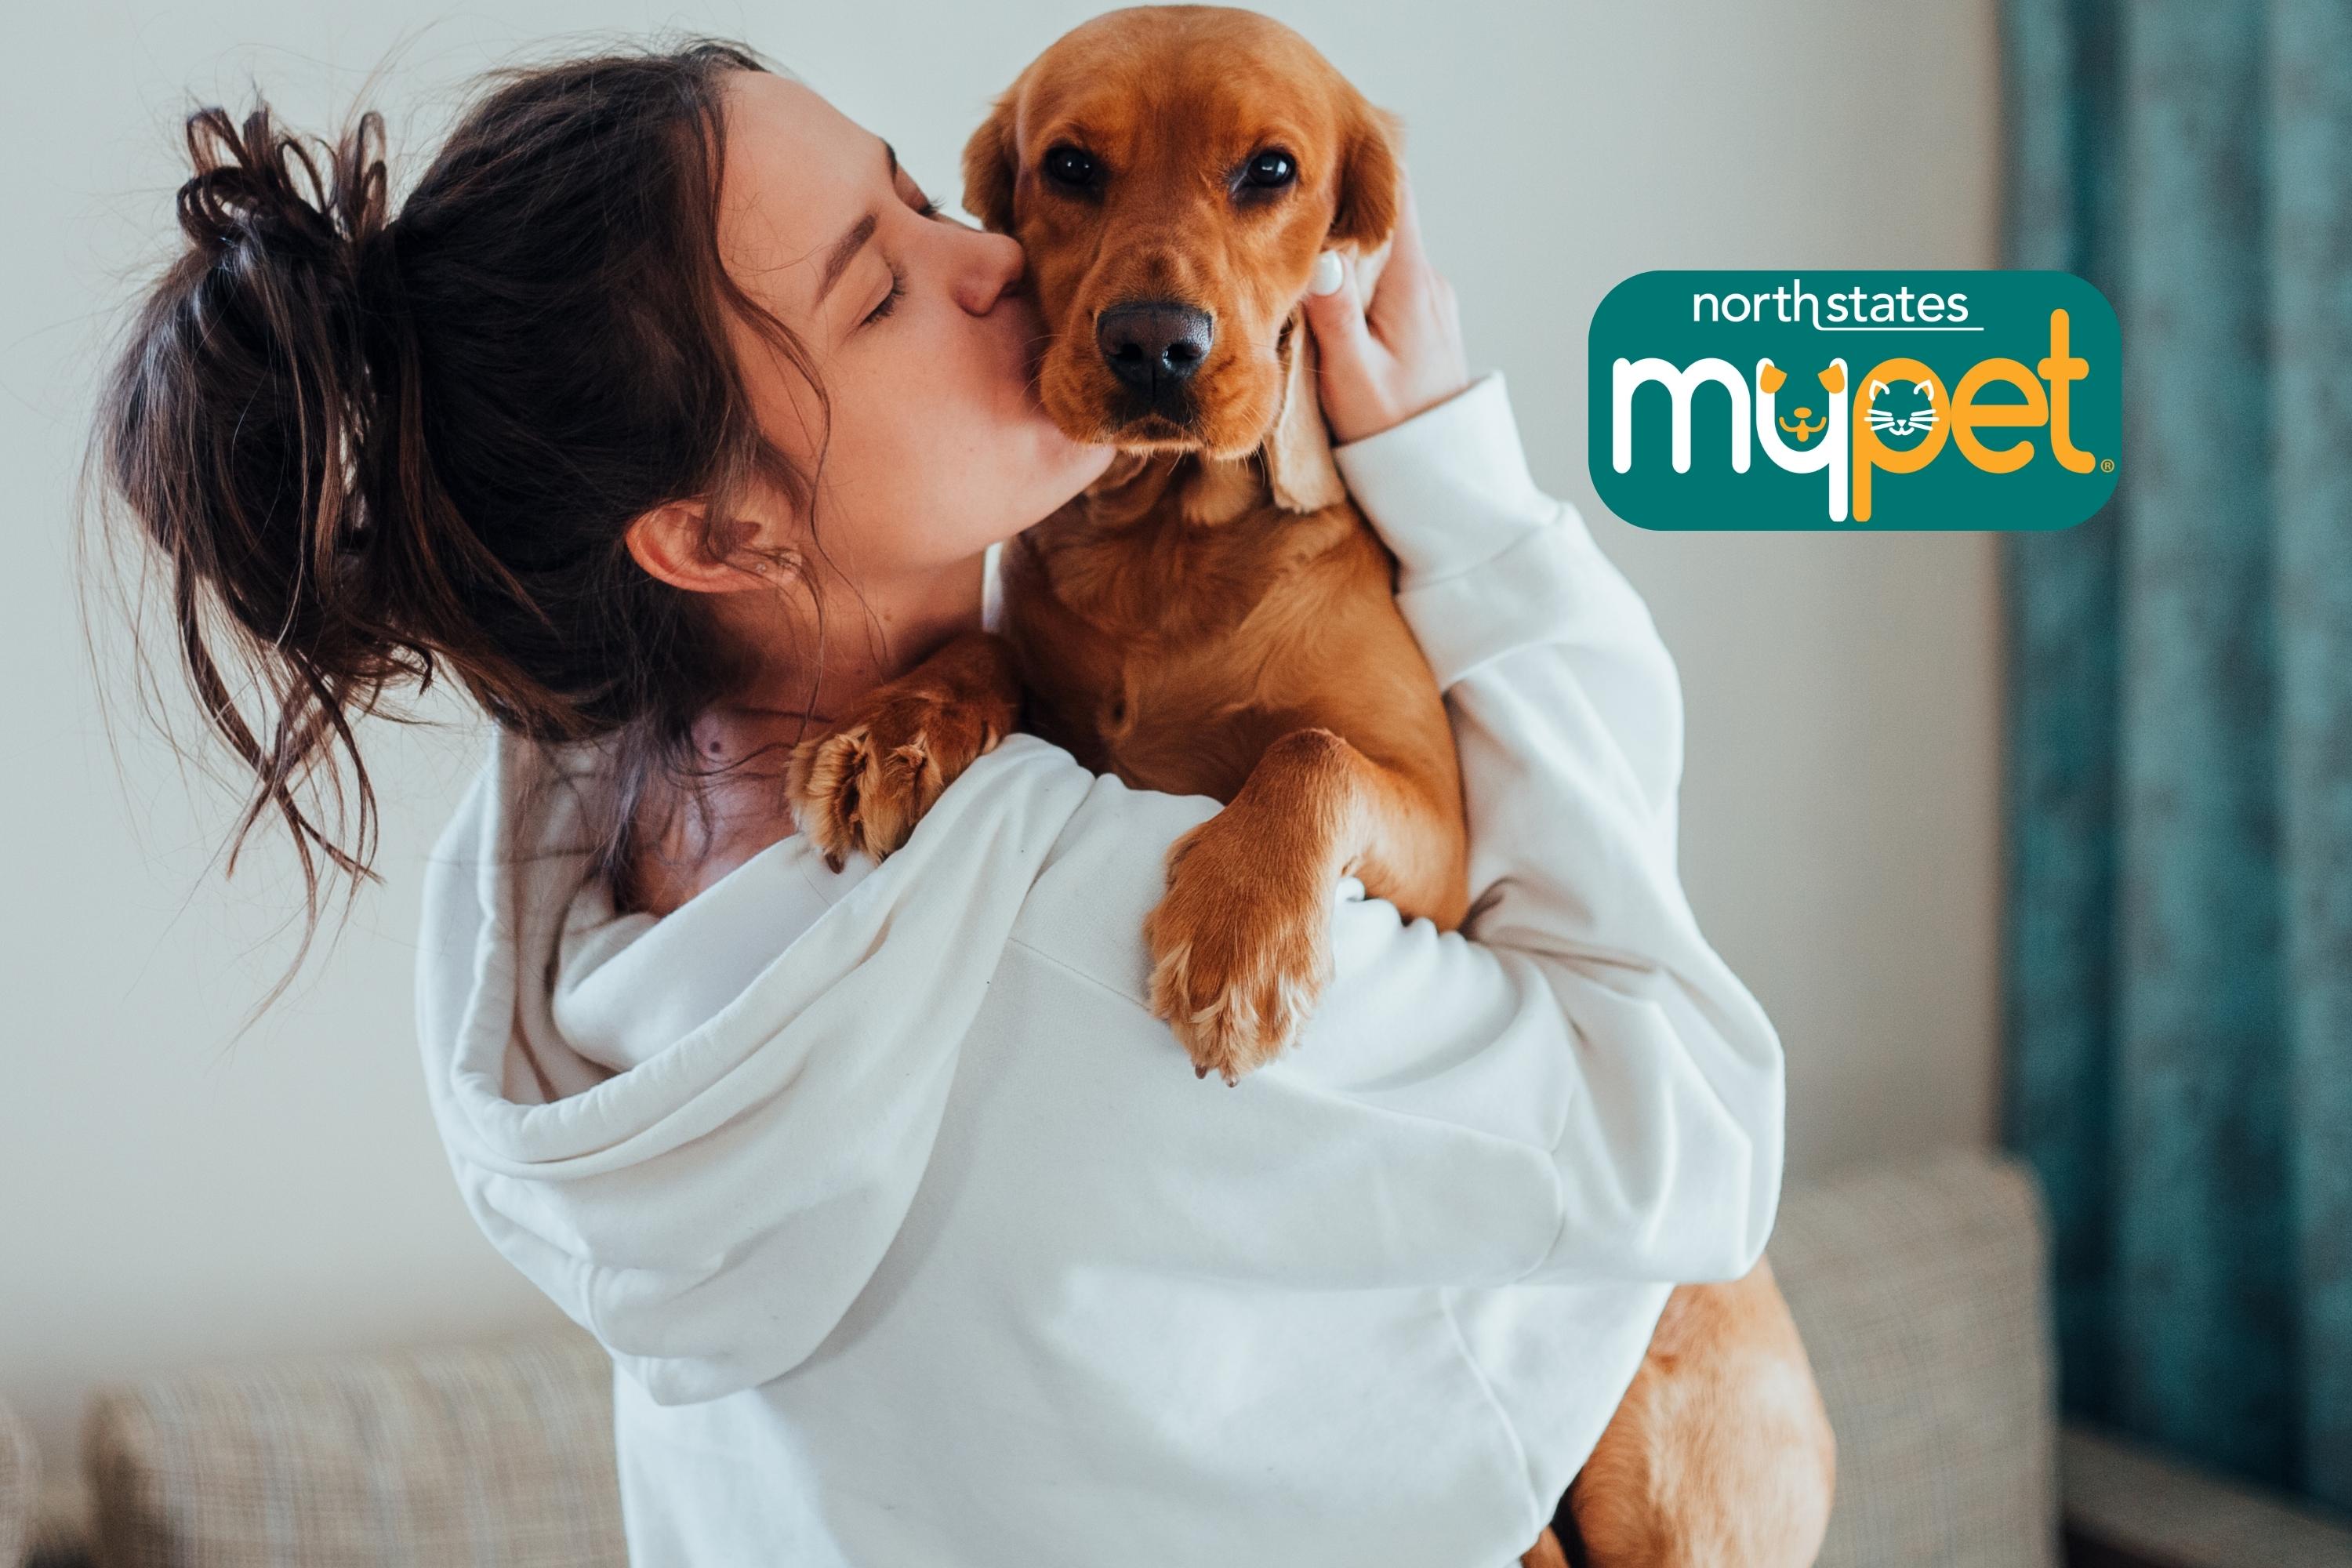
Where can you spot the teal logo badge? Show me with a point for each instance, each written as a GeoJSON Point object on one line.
{"type": "Point", "coordinates": [1778, 400]}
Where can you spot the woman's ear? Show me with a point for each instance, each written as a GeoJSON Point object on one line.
{"type": "Point", "coordinates": [674, 543]}
{"type": "Point", "coordinates": [1370, 177]}
{"type": "Point", "coordinates": [989, 167]}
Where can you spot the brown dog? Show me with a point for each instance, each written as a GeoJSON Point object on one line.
{"type": "Point", "coordinates": [1214, 616]}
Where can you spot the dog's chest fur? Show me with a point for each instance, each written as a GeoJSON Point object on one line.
{"type": "Point", "coordinates": [1173, 622]}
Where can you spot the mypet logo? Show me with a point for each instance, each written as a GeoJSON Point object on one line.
{"type": "Point", "coordinates": [1855, 399]}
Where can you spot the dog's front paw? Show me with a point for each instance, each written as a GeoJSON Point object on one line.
{"type": "Point", "coordinates": [863, 784]}
{"type": "Point", "coordinates": [1241, 947]}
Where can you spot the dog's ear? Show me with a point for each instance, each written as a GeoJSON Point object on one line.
{"type": "Point", "coordinates": [1371, 172]}
{"type": "Point", "coordinates": [988, 167]}
{"type": "Point", "coordinates": [1299, 467]}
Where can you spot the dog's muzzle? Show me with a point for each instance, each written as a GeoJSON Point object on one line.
{"type": "Point", "coordinates": [1153, 347]}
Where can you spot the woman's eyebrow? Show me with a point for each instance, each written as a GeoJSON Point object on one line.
{"type": "Point", "coordinates": [845, 248]}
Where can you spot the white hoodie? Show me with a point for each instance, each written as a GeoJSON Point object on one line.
{"type": "Point", "coordinates": [916, 1241]}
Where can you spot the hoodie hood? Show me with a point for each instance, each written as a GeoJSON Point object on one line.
{"type": "Point", "coordinates": [711, 1210]}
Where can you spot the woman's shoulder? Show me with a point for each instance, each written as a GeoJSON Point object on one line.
{"type": "Point", "coordinates": [1086, 910]}
{"type": "Point", "coordinates": [1105, 869]}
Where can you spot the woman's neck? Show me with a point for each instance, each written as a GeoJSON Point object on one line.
{"type": "Point", "coordinates": [818, 669]}
{"type": "Point", "coordinates": [748, 742]}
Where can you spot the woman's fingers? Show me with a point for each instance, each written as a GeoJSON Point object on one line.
{"type": "Point", "coordinates": [1348, 359]}
{"type": "Point", "coordinates": [1337, 315]}
{"type": "Point", "coordinates": [1384, 362]}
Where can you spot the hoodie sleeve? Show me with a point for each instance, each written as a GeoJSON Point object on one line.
{"type": "Point", "coordinates": [1590, 1042]}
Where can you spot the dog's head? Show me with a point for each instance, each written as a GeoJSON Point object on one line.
{"type": "Point", "coordinates": [1173, 172]}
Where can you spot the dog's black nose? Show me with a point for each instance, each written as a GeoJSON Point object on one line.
{"type": "Point", "coordinates": [1152, 344]}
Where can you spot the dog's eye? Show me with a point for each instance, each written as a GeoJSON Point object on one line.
{"type": "Point", "coordinates": [1270, 169]}
{"type": "Point", "coordinates": [1068, 166]}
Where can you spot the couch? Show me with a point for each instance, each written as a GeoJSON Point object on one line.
{"type": "Point", "coordinates": [1920, 1292]}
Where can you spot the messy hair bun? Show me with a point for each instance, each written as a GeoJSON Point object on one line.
{"type": "Point", "coordinates": [245, 431]}
{"type": "Point", "coordinates": [371, 448]}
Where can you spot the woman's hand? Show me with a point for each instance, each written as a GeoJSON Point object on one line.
{"type": "Point", "coordinates": [1380, 367]}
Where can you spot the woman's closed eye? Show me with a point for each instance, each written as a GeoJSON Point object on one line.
{"type": "Point", "coordinates": [890, 300]}
{"type": "Point", "coordinates": [925, 209]}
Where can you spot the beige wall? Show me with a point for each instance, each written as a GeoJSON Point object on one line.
{"type": "Point", "coordinates": [172, 1192]}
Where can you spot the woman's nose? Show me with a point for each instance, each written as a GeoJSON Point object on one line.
{"type": "Point", "coordinates": [992, 264]}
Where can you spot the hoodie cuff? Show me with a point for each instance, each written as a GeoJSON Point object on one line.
{"type": "Point", "coordinates": [1449, 488]}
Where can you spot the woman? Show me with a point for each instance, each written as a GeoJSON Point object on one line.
{"type": "Point", "coordinates": [670, 417]}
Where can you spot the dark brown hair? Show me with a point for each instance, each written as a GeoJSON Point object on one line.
{"type": "Point", "coordinates": [372, 449]}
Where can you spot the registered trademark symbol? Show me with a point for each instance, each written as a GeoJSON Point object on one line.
{"type": "Point", "coordinates": [2106, 465]}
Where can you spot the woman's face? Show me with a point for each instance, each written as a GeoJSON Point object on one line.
{"type": "Point", "coordinates": [924, 341]}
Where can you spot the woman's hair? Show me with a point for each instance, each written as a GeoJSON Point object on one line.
{"type": "Point", "coordinates": [371, 449]}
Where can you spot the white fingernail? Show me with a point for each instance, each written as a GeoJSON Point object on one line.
{"type": "Point", "coordinates": [1328, 275]}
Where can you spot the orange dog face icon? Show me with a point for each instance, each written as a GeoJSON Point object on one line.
{"type": "Point", "coordinates": [1173, 173]}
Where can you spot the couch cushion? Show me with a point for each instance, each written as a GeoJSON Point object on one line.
{"type": "Point", "coordinates": [1920, 1293]}
{"type": "Point", "coordinates": [488, 1454]}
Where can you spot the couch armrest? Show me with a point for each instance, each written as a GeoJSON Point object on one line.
{"type": "Point", "coordinates": [20, 1489]}
{"type": "Point", "coordinates": [1918, 1290]}
{"type": "Point", "coordinates": [2128, 1507]}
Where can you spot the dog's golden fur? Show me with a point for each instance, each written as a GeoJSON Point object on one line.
{"type": "Point", "coordinates": [1214, 616]}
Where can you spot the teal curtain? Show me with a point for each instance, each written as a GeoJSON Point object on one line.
{"type": "Point", "coordinates": [2178, 950]}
